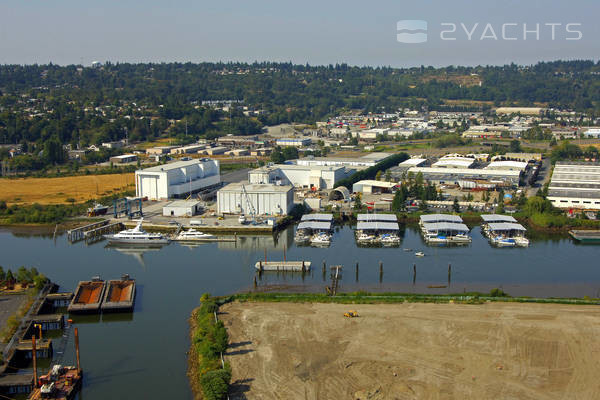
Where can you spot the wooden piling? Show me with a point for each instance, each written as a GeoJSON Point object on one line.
{"type": "Point", "coordinates": [414, 273]}
{"type": "Point", "coordinates": [357, 271]}
{"type": "Point", "coordinates": [255, 283]}
{"type": "Point", "coordinates": [449, 273]}
{"type": "Point", "coordinates": [34, 357]}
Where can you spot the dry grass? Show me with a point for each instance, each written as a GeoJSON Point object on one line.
{"type": "Point", "coordinates": [58, 190]}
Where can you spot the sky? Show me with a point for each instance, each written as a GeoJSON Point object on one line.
{"type": "Point", "coordinates": [316, 32]}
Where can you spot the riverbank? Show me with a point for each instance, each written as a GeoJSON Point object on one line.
{"type": "Point", "coordinates": [413, 350]}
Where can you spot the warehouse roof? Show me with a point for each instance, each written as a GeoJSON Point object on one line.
{"type": "Point", "coordinates": [369, 182]}
{"type": "Point", "coordinates": [175, 165]}
{"type": "Point", "coordinates": [466, 172]}
{"type": "Point", "coordinates": [507, 164]}
{"type": "Point", "coordinates": [317, 217]}
{"type": "Point", "coordinates": [377, 217]}
{"type": "Point", "coordinates": [446, 226]}
{"type": "Point", "coordinates": [318, 225]}
{"type": "Point", "coordinates": [256, 187]}
{"type": "Point", "coordinates": [412, 162]}
{"type": "Point", "coordinates": [454, 162]}
{"type": "Point", "coordinates": [440, 218]}
{"type": "Point", "coordinates": [505, 226]}
{"type": "Point", "coordinates": [377, 226]}
{"type": "Point", "coordinates": [183, 203]}
{"type": "Point", "coordinates": [497, 218]}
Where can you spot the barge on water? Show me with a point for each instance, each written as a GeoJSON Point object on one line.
{"type": "Point", "coordinates": [119, 295]}
{"type": "Point", "coordinates": [585, 236]}
{"type": "Point", "coordinates": [295, 266]}
{"type": "Point", "coordinates": [88, 296]}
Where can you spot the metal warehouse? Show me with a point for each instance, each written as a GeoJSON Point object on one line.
{"type": "Point", "coordinates": [176, 179]}
{"type": "Point", "coordinates": [575, 185]}
{"type": "Point", "coordinates": [255, 199]}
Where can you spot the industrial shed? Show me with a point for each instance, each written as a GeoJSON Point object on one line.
{"type": "Point", "coordinates": [182, 208]}
{"type": "Point", "coordinates": [259, 199]}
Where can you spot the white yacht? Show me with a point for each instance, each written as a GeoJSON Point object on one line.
{"type": "Point", "coordinates": [301, 236]}
{"type": "Point", "coordinates": [320, 239]}
{"type": "Point", "coordinates": [193, 235]}
{"type": "Point", "coordinates": [242, 219]}
{"type": "Point", "coordinates": [365, 238]}
{"type": "Point", "coordinates": [137, 236]}
{"type": "Point", "coordinates": [521, 241]}
{"type": "Point", "coordinates": [502, 241]}
{"type": "Point", "coordinates": [389, 239]}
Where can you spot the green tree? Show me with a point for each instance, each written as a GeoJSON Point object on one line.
{"type": "Point", "coordinates": [378, 176]}
{"type": "Point", "coordinates": [358, 202]}
{"type": "Point", "coordinates": [399, 201]}
{"type": "Point", "coordinates": [456, 206]}
{"type": "Point", "coordinates": [515, 146]}
{"type": "Point", "coordinates": [388, 176]}
{"type": "Point", "coordinates": [2, 274]}
{"type": "Point", "coordinates": [215, 384]}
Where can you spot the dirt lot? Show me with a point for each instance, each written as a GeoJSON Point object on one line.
{"type": "Point", "coordinates": [58, 190]}
{"type": "Point", "coordinates": [413, 351]}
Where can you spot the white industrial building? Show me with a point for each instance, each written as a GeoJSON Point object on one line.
{"type": "Point", "coordinates": [368, 160]}
{"type": "Point", "coordinates": [454, 162]}
{"type": "Point", "coordinates": [575, 186]}
{"type": "Point", "coordinates": [317, 176]}
{"type": "Point", "coordinates": [182, 208]}
{"type": "Point", "coordinates": [176, 179]}
{"type": "Point", "coordinates": [507, 165]}
{"type": "Point", "coordinates": [592, 132]}
{"type": "Point", "coordinates": [372, 186]}
{"type": "Point", "coordinates": [464, 177]}
{"type": "Point", "coordinates": [258, 199]}
{"type": "Point", "coordinates": [295, 142]}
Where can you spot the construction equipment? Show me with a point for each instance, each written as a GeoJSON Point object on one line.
{"type": "Point", "coordinates": [249, 204]}
{"type": "Point", "coordinates": [351, 314]}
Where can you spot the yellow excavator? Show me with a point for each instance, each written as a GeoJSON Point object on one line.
{"type": "Point", "coordinates": [351, 314]}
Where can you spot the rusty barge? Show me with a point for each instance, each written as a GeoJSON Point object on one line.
{"type": "Point", "coordinates": [88, 296]}
{"type": "Point", "coordinates": [119, 295]}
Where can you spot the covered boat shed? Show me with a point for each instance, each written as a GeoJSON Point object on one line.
{"type": "Point", "coordinates": [317, 217]}
{"type": "Point", "coordinates": [376, 226]}
{"type": "Point", "coordinates": [446, 227]}
{"type": "Point", "coordinates": [491, 218]}
{"type": "Point", "coordinates": [376, 217]}
{"type": "Point", "coordinates": [437, 218]}
{"type": "Point", "coordinates": [506, 227]}
{"type": "Point", "coordinates": [315, 226]}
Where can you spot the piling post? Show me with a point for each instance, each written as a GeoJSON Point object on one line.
{"type": "Point", "coordinates": [449, 273]}
{"type": "Point", "coordinates": [265, 254]}
{"type": "Point", "coordinates": [255, 283]}
{"type": "Point", "coordinates": [260, 265]}
{"type": "Point", "coordinates": [77, 350]}
{"type": "Point", "coordinates": [34, 357]}
{"type": "Point", "coordinates": [380, 271]}
{"type": "Point", "coordinates": [284, 253]}
{"type": "Point", "coordinates": [357, 271]}
{"type": "Point", "coordinates": [303, 267]}
{"type": "Point", "coordinates": [414, 273]}
{"type": "Point", "coordinates": [324, 269]}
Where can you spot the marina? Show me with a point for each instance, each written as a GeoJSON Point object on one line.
{"type": "Point", "coordinates": [170, 280]}
{"type": "Point", "coordinates": [314, 229]}
{"type": "Point", "coordinates": [503, 231]}
{"type": "Point", "coordinates": [440, 229]}
{"type": "Point", "coordinates": [380, 229]}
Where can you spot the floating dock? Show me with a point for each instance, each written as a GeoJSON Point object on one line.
{"type": "Point", "coordinates": [585, 236]}
{"type": "Point", "coordinates": [295, 266]}
{"type": "Point", "coordinates": [119, 295]}
{"type": "Point", "coordinates": [88, 297]}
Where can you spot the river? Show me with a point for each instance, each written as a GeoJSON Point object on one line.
{"type": "Point", "coordinates": [143, 355]}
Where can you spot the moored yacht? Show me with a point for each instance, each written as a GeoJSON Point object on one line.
{"type": "Point", "coordinates": [321, 238]}
{"type": "Point", "coordinates": [193, 235]}
{"type": "Point", "coordinates": [137, 236]}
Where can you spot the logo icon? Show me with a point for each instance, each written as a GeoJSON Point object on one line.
{"type": "Point", "coordinates": [411, 31]}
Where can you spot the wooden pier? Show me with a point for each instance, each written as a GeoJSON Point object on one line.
{"type": "Point", "coordinates": [96, 234]}
{"type": "Point", "coordinates": [294, 266]}
{"type": "Point", "coordinates": [77, 234]}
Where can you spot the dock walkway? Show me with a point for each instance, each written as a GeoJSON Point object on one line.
{"type": "Point", "coordinates": [296, 266]}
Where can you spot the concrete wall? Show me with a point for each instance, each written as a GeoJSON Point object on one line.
{"type": "Point", "coordinates": [271, 203]}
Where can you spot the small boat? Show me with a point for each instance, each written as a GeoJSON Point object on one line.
{"type": "Point", "coordinates": [193, 235]}
{"type": "Point", "coordinates": [420, 254]}
{"type": "Point", "coordinates": [407, 249]}
{"type": "Point", "coordinates": [365, 238]}
{"type": "Point", "coordinates": [242, 219]}
{"type": "Point", "coordinates": [320, 239]}
{"type": "Point", "coordinates": [502, 241]}
{"type": "Point", "coordinates": [521, 241]}
{"type": "Point", "coordinates": [137, 236]}
{"type": "Point", "coordinates": [98, 209]}
{"type": "Point", "coordinates": [301, 237]}
{"type": "Point", "coordinates": [388, 238]}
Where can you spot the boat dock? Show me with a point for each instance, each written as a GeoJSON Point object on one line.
{"type": "Point", "coordinates": [585, 236]}
{"type": "Point", "coordinates": [295, 266]}
{"type": "Point", "coordinates": [43, 348]}
{"type": "Point", "coordinates": [88, 297]}
{"type": "Point", "coordinates": [119, 295]}
{"type": "Point", "coordinates": [93, 232]}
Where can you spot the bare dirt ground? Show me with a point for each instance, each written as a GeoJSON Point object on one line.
{"type": "Point", "coordinates": [413, 351]}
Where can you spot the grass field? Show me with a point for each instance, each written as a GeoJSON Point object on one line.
{"type": "Point", "coordinates": [58, 190]}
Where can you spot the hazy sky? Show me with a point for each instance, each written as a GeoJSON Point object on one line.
{"type": "Point", "coordinates": [308, 31]}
